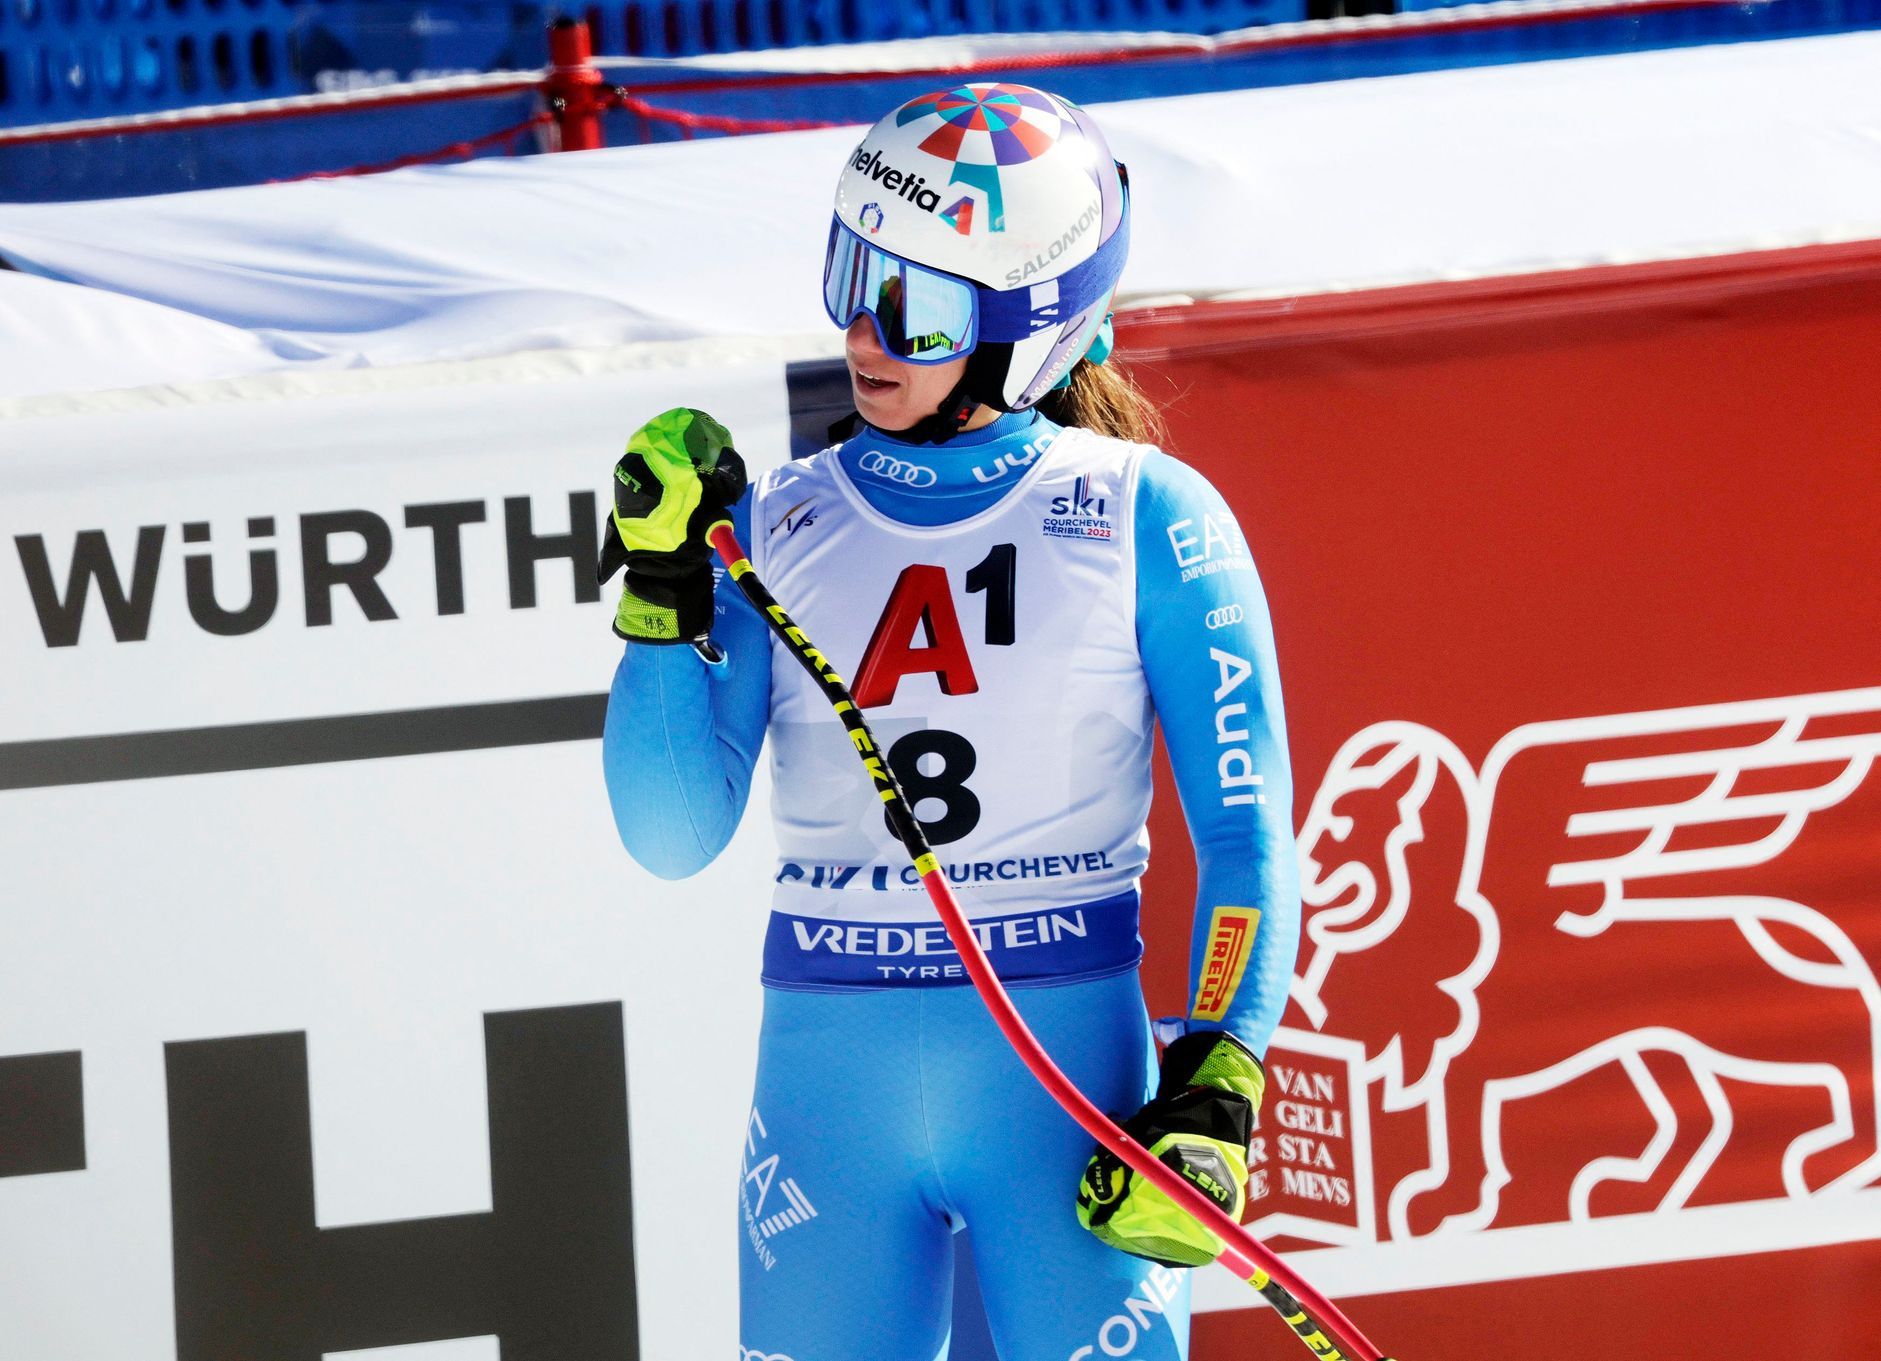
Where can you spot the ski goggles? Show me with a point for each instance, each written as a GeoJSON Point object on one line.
{"type": "Point", "coordinates": [921, 315]}
{"type": "Point", "coordinates": [926, 316]}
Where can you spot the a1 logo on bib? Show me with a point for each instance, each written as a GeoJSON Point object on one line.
{"type": "Point", "coordinates": [922, 602]}
{"type": "Point", "coordinates": [1080, 515]}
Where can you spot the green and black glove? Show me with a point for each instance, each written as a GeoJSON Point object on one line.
{"type": "Point", "coordinates": [1199, 1124]}
{"type": "Point", "coordinates": [679, 476]}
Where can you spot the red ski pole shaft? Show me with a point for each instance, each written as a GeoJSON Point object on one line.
{"type": "Point", "coordinates": [1316, 1320]}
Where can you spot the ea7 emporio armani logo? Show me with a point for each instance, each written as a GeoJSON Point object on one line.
{"type": "Point", "coordinates": [888, 468]}
{"type": "Point", "coordinates": [791, 1206]}
{"type": "Point", "coordinates": [753, 1354]}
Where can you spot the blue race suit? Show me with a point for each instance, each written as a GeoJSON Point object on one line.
{"type": "Point", "coordinates": [889, 1112]}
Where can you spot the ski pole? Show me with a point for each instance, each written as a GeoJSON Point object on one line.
{"type": "Point", "coordinates": [1316, 1320]}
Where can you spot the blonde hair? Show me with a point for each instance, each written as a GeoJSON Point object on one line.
{"type": "Point", "coordinates": [1105, 400]}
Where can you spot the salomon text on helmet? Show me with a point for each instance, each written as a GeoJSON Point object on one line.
{"type": "Point", "coordinates": [987, 221]}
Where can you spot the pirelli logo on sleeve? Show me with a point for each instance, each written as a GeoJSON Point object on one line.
{"type": "Point", "coordinates": [1230, 941]}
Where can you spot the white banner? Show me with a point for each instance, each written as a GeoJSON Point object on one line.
{"type": "Point", "coordinates": [319, 941]}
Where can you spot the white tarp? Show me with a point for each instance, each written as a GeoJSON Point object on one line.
{"type": "Point", "coordinates": [379, 905]}
{"type": "Point", "coordinates": [1277, 192]}
{"type": "Point", "coordinates": [56, 336]}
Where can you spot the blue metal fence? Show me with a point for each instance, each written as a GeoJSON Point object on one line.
{"type": "Point", "coordinates": [678, 28]}
{"type": "Point", "coordinates": [68, 59]}
{"type": "Point", "coordinates": [63, 59]}
{"type": "Point", "coordinates": [143, 54]}
{"type": "Point", "coordinates": [1396, 52]}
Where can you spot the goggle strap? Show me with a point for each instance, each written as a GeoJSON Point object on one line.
{"type": "Point", "coordinates": [1011, 316]}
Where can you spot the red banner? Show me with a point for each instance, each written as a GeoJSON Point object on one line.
{"type": "Point", "coordinates": [1575, 586]}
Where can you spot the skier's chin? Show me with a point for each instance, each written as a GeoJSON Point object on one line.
{"type": "Point", "coordinates": [884, 406]}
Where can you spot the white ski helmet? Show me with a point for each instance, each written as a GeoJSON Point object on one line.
{"type": "Point", "coordinates": [986, 220]}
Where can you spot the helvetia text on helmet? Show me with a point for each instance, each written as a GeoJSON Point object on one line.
{"type": "Point", "coordinates": [905, 183]}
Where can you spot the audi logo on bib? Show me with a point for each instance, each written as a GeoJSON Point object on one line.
{"type": "Point", "coordinates": [892, 469]}
{"type": "Point", "coordinates": [1223, 617]}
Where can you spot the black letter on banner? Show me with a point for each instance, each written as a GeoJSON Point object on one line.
{"type": "Point", "coordinates": [42, 1114]}
{"type": "Point", "coordinates": [446, 520]}
{"type": "Point", "coordinates": [581, 546]}
{"type": "Point", "coordinates": [264, 583]}
{"type": "Point", "coordinates": [320, 574]}
{"type": "Point", "coordinates": [549, 1270]}
{"type": "Point", "coordinates": [129, 612]}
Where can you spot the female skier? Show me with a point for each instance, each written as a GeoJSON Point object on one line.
{"type": "Point", "coordinates": [1018, 586]}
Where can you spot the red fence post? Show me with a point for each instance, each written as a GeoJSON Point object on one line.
{"type": "Point", "coordinates": [574, 86]}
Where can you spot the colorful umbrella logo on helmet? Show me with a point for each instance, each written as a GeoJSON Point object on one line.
{"type": "Point", "coordinates": [983, 127]}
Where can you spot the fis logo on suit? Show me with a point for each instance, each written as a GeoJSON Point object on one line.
{"type": "Point", "coordinates": [1079, 515]}
{"type": "Point", "coordinates": [799, 516]}
{"type": "Point", "coordinates": [888, 468]}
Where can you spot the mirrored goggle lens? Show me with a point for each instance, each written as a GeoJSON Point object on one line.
{"type": "Point", "coordinates": [923, 317]}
